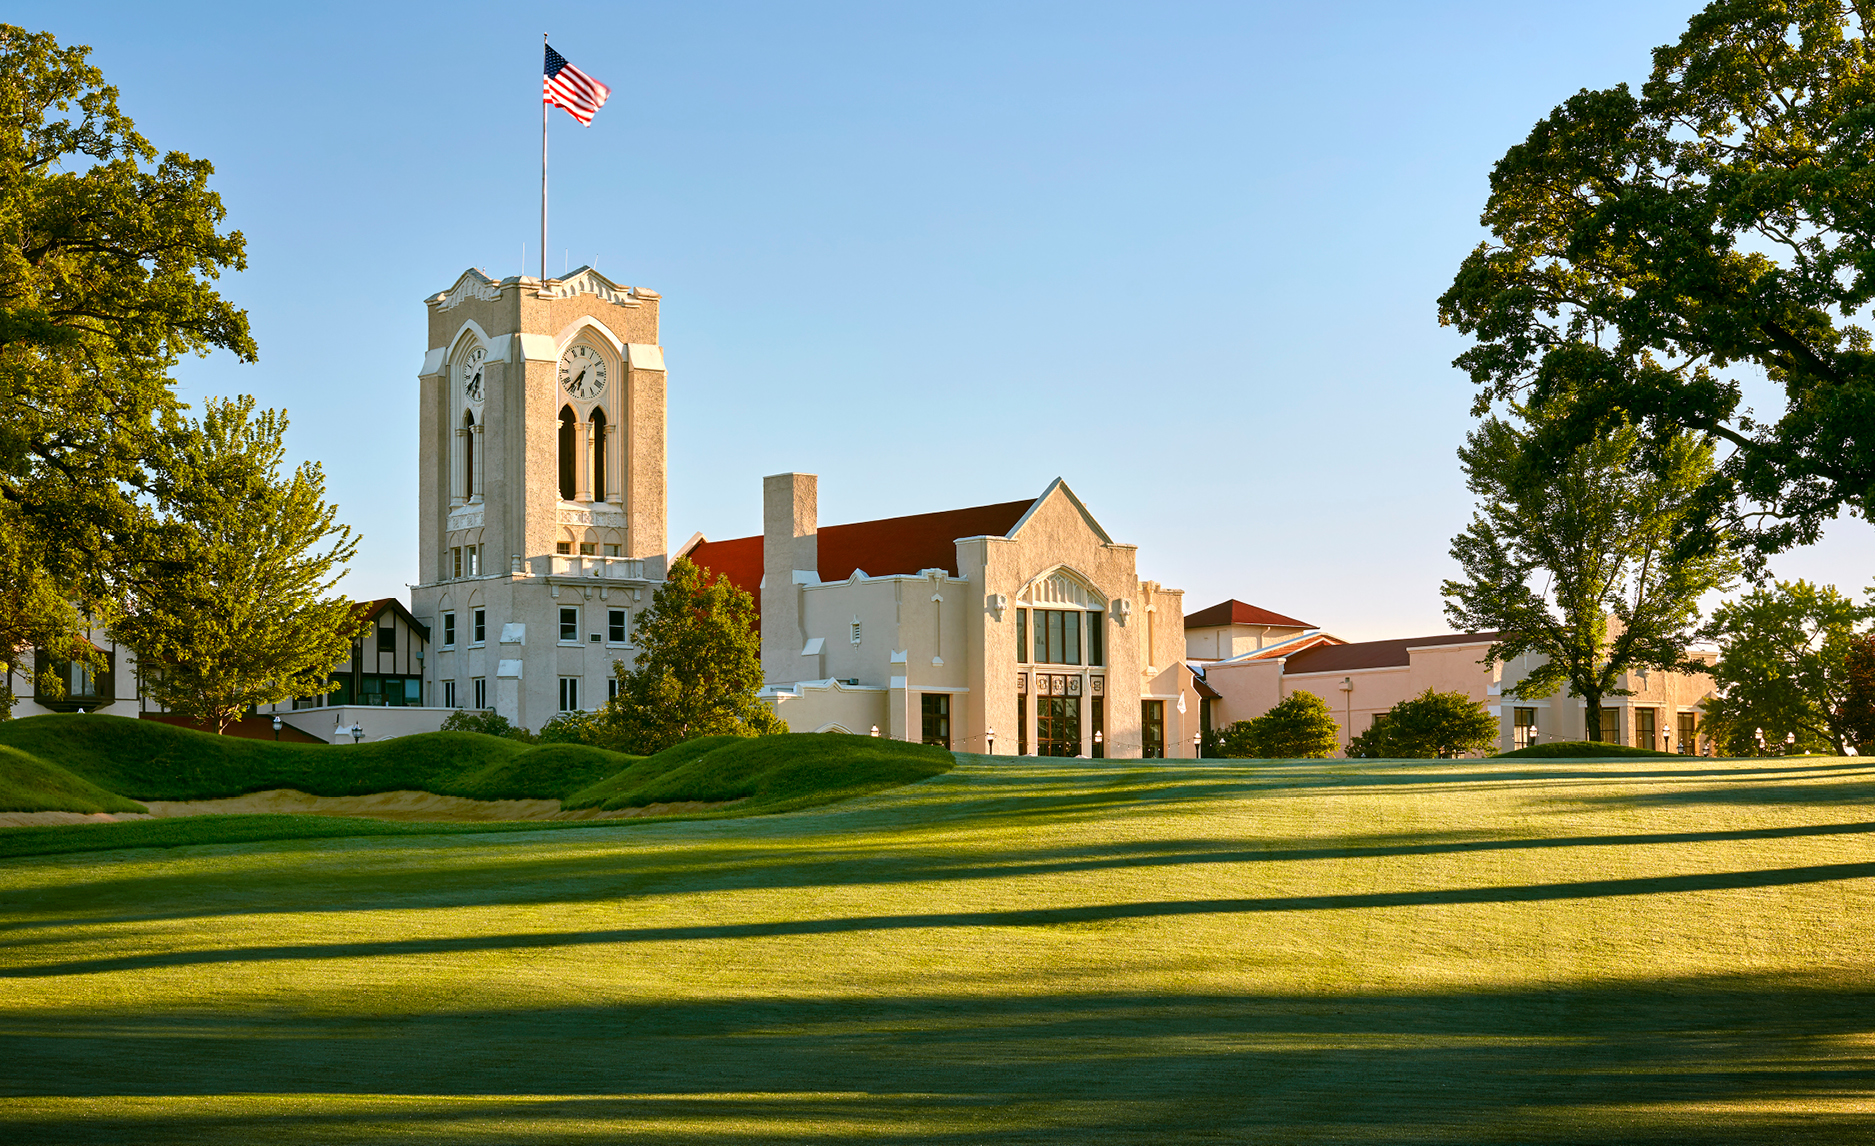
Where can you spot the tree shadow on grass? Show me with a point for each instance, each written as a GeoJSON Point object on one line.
{"type": "Point", "coordinates": [1024, 917]}
{"type": "Point", "coordinates": [1730, 1059]}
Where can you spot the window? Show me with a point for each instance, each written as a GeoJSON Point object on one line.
{"type": "Point", "coordinates": [474, 554]}
{"type": "Point", "coordinates": [387, 638]}
{"type": "Point", "coordinates": [1058, 725]}
{"type": "Point", "coordinates": [1057, 637]}
{"type": "Point", "coordinates": [569, 694]}
{"type": "Point", "coordinates": [1098, 723]}
{"type": "Point", "coordinates": [478, 686]}
{"type": "Point", "coordinates": [1022, 636]}
{"type": "Point", "coordinates": [449, 694]}
{"type": "Point", "coordinates": [937, 718]}
{"type": "Point", "coordinates": [588, 549]}
{"type": "Point", "coordinates": [1523, 728]}
{"type": "Point", "coordinates": [1022, 726]}
{"type": "Point", "coordinates": [568, 433]}
{"type": "Point", "coordinates": [563, 547]}
{"type": "Point", "coordinates": [598, 455]}
{"type": "Point", "coordinates": [611, 551]}
{"type": "Point", "coordinates": [468, 455]}
{"type": "Point", "coordinates": [616, 625]}
{"type": "Point", "coordinates": [611, 688]}
{"type": "Point", "coordinates": [479, 630]}
{"type": "Point", "coordinates": [449, 633]}
{"type": "Point", "coordinates": [569, 625]}
{"type": "Point", "coordinates": [455, 557]}
{"type": "Point", "coordinates": [856, 632]}
{"type": "Point", "coordinates": [1645, 727]}
{"type": "Point", "coordinates": [1689, 734]}
{"type": "Point", "coordinates": [1096, 637]}
{"type": "Point", "coordinates": [1610, 731]}
{"type": "Point", "coordinates": [1152, 729]}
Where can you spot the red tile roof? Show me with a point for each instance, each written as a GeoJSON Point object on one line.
{"type": "Point", "coordinates": [1373, 654]}
{"type": "Point", "coordinates": [1234, 612]}
{"type": "Point", "coordinates": [891, 545]}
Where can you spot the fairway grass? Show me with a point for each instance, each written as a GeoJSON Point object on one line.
{"type": "Point", "coordinates": [1620, 950]}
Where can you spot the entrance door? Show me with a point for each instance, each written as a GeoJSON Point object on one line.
{"type": "Point", "coordinates": [1058, 725]}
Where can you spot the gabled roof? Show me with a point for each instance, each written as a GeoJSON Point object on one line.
{"type": "Point", "coordinates": [1374, 654]}
{"type": "Point", "coordinates": [890, 545]}
{"type": "Point", "coordinates": [1288, 647]}
{"type": "Point", "coordinates": [1235, 612]}
{"type": "Point", "coordinates": [368, 611]}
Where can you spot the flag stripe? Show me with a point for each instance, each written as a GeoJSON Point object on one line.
{"type": "Point", "coordinates": [564, 85]}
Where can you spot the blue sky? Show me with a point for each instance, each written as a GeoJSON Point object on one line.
{"type": "Point", "coordinates": [1184, 256]}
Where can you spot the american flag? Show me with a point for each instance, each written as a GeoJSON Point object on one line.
{"type": "Point", "coordinates": [565, 85]}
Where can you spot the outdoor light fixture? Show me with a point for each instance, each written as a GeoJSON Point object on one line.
{"type": "Point", "coordinates": [875, 730]}
{"type": "Point", "coordinates": [277, 722]}
{"type": "Point", "coordinates": [989, 737]}
{"type": "Point", "coordinates": [358, 733]}
{"type": "Point", "coordinates": [1197, 739]}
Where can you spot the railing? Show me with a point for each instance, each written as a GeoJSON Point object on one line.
{"type": "Point", "coordinates": [570, 565]}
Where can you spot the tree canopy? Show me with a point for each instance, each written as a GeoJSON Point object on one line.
{"type": "Point", "coordinates": [231, 607]}
{"type": "Point", "coordinates": [1550, 558]}
{"type": "Point", "coordinates": [1650, 249]}
{"type": "Point", "coordinates": [698, 668]}
{"type": "Point", "coordinates": [1783, 667]}
{"type": "Point", "coordinates": [108, 255]}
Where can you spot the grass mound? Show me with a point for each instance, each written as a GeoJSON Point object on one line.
{"type": "Point", "coordinates": [145, 760]}
{"type": "Point", "coordinates": [768, 773]}
{"type": "Point", "coordinates": [29, 784]}
{"type": "Point", "coordinates": [1576, 750]}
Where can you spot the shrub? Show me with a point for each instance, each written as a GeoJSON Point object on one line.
{"type": "Point", "coordinates": [488, 722]}
{"type": "Point", "coordinates": [1297, 727]}
{"type": "Point", "coordinates": [1432, 725]}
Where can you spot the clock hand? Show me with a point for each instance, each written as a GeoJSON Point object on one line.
{"type": "Point", "coordinates": [578, 378]}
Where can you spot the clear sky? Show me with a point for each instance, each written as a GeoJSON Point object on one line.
{"type": "Point", "coordinates": [1184, 256]}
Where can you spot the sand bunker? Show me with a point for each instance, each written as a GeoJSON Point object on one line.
{"type": "Point", "coordinates": [411, 806]}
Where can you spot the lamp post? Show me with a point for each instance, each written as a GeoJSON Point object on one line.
{"type": "Point", "coordinates": [1197, 741]}
{"type": "Point", "coordinates": [989, 737]}
{"type": "Point", "coordinates": [1757, 736]}
{"type": "Point", "coordinates": [875, 730]}
{"type": "Point", "coordinates": [277, 722]}
{"type": "Point", "coordinates": [1099, 753]}
{"type": "Point", "coordinates": [1347, 707]}
{"type": "Point", "coordinates": [1790, 743]}
{"type": "Point", "coordinates": [358, 733]}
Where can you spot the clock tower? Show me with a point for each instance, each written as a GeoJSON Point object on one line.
{"type": "Point", "coordinates": [541, 493]}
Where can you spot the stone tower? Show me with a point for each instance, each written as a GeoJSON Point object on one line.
{"type": "Point", "coordinates": [541, 489]}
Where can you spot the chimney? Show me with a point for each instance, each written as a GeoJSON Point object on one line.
{"type": "Point", "coordinates": [790, 558]}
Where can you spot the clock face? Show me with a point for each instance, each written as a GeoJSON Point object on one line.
{"type": "Point", "coordinates": [472, 374]}
{"type": "Point", "coordinates": [582, 372]}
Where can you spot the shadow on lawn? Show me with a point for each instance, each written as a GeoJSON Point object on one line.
{"type": "Point", "coordinates": [1030, 917]}
{"type": "Point", "coordinates": [1642, 1063]}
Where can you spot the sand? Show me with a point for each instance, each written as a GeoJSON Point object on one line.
{"type": "Point", "coordinates": [405, 805]}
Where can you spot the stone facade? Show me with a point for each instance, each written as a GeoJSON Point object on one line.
{"type": "Point", "coordinates": [881, 624]}
{"type": "Point", "coordinates": [541, 517]}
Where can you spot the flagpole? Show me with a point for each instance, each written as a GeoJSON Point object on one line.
{"type": "Point", "coordinates": [543, 174]}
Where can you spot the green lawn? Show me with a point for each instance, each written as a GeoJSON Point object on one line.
{"type": "Point", "coordinates": [1621, 950]}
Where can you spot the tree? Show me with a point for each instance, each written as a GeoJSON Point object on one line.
{"type": "Point", "coordinates": [699, 666]}
{"type": "Point", "coordinates": [107, 255]}
{"type": "Point", "coordinates": [1432, 725]}
{"type": "Point", "coordinates": [1783, 667]}
{"type": "Point", "coordinates": [1647, 248]}
{"type": "Point", "coordinates": [231, 608]}
{"type": "Point", "coordinates": [1549, 558]}
{"type": "Point", "coordinates": [1858, 706]}
{"type": "Point", "coordinates": [488, 722]}
{"type": "Point", "coordinates": [1297, 727]}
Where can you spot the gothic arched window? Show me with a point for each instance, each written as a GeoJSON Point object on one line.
{"type": "Point", "coordinates": [598, 455]}
{"type": "Point", "coordinates": [468, 454]}
{"type": "Point", "coordinates": [569, 465]}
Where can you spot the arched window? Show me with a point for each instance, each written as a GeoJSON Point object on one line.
{"type": "Point", "coordinates": [568, 465]}
{"type": "Point", "coordinates": [468, 454]}
{"type": "Point", "coordinates": [598, 455]}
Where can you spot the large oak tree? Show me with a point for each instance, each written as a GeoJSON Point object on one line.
{"type": "Point", "coordinates": [1649, 249]}
{"type": "Point", "coordinates": [108, 256]}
